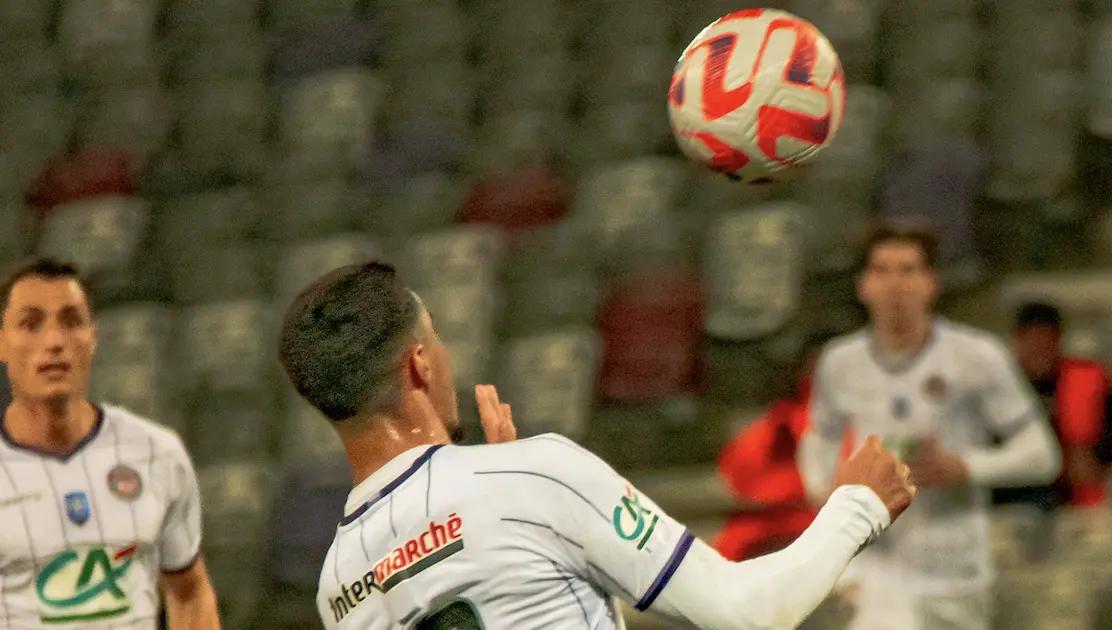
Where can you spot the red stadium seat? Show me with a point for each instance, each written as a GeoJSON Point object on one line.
{"type": "Point", "coordinates": [651, 328]}
{"type": "Point", "coordinates": [524, 198]}
{"type": "Point", "coordinates": [85, 174]}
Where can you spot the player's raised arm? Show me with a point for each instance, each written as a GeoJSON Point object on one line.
{"type": "Point", "coordinates": [631, 548]}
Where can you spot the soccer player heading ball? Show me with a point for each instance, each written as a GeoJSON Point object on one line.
{"type": "Point", "coordinates": [534, 533]}
{"type": "Point", "coordinates": [98, 507]}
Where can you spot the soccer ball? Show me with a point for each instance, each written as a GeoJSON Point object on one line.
{"type": "Point", "coordinates": [757, 95]}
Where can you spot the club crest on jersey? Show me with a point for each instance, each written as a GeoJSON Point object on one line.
{"type": "Point", "coordinates": [77, 507]}
{"type": "Point", "coordinates": [435, 544]}
{"type": "Point", "coordinates": [125, 482]}
{"type": "Point", "coordinates": [935, 387]}
{"type": "Point", "coordinates": [631, 519]}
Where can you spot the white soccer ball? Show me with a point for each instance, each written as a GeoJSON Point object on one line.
{"type": "Point", "coordinates": [757, 95]}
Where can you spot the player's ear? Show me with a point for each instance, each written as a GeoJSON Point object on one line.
{"type": "Point", "coordinates": [418, 367]}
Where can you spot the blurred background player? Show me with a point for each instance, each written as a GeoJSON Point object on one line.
{"type": "Point", "coordinates": [935, 392]}
{"type": "Point", "coordinates": [99, 508]}
{"type": "Point", "coordinates": [537, 532]}
{"type": "Point", "coordinates": [1074, 392]}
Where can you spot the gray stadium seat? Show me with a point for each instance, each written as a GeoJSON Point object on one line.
{"type": "Point", "coordinates": [467, 253]}
{"type": "Point", "coordinates": [107, 41]}
{"type": "Point", "coordinates": [227, 346]}
{"type": "Point", "coordinates": [136, 118]}
{"type": "Point", "coordinates": [307, 210]}
{"type": "Point", "coordinates": [444, 91]}
{"type": "Point", "coordinates": [618, 199]}
{"type": "Point", "coordinates": [1099, 78]}
{"type": "Point", "coordinates": [15, 224]}
{"type": "Point", "coordinates": [140, 388]}
{"type": "Point", "coordinates": [212, 57]}
{"type": "Point", "coordinates": [334, 43]}
{"type": "Point", "coordinates": [508, 28]}
{"type": "Point", "coordinates": [521, 137]}
{"type": "Point", "coordinates": [135, 333]}
{"type": "Point", "coordinates": [230, 429]}
{"type": "Point", "coordinates": [307, 434]}
{"type": "Point", "coordinates": [302, 263]}
{"type": "Point", "coordinates": [549, 299]}
{"type": "Point", "coordinates": [285, 15]}
{"type": "Point", "coordinates": [621, 131]}
{"type": "Point", "coordinates": [34, 127]}
{"type": "Point", "coordinates": [208, 273]}
{"type": "Point", "coordinates": [26, 19]}
{"type": "Point", "coordinates": [465, 314]}
{"type": "Point", "coordinates": [421, 203]}
{"type": "Point", "coordinates": [105, 237]}
{"type": "Point", "coordinates": [550, 377]}
{"type": "Point", "coordinates": [223, 126]}
{"type": "Point", "coordinates": [237, 501]}
{"type": "Point", "coordinates": [27, 65]}
{"type": "Point", "coordinates": [937, 108]}
{"type": "Point", "coordinates": [754, 268]}
{"type": "Point", "coordinates": [620, 24]}
{"type": "Point", "coordinates": [210, 18]}
{"type": "Point", "coordinates": [638, 73]}
{"type": "Point", "coordinates": [1022, 43]}
{"type": "Point", "coordinates": [917, 56]}
{"type": "Point", "coordinates": [415, 33]}
{"type": "Point", "coordinates": [542, 80]}
{"type": "Point", "coordinates": [220, 217]}
{"type": "Point", "coordinates": [325, 122]}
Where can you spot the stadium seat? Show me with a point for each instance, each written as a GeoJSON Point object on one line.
{"type": "Point", "coordinates": [551, 377]}
{"type": "Point", "coordinates": [1041, 39]}
{"type": "Point", "coordinates": [192, 18]}
{"type": "Point", "coordinates": [26, 19]}
{"type": "Point", "coordinates": [34, 127]}
{"type": "Point", "coordinates": [414, 34]}
{"type": "Point", "coordinates": [1099, 79]}
{"type": "Point", "coordinates": [15, 229]}
{"type": "Point", "coordinates": [526, 137]}
{"type": "Point", "coordinates": [917, 56]}
{"type": "Point", "coordinates": [84, 174]}
{"type": "Point", "coordinates": [621, 24]}
{"type": "Point", "coordinates": [755, 263]}
{"type": "Point", "coordinates": [466, 254]}
{"type": "Point", "coordinates": [516, 81]}
{"type": "Point", "coordinates": [421, 203]}
{"type": "Point", "coordinates": [622, 131]}
{"type": "Point", "coordinates": [108, 41]}
{"type": "Point", "coordinates": [27, 65]}
{"type": "Point", "coordinates": [208, 57]}
{"type": "Point", "coordinates": [231, 429]}
{"type": "Point", "coordinates": [281, 16]}
{"type": "Point", "coordinates": [334, 43]}
{"type": "Point", "coordinates": [307, 210]}
{"type": "Point", "coordinates": [550, 299]}
{"type": "Point", "coordinates": [223, 126]}
{"type": "Point", "coordinates": [307, 434]}
{"type": "Point", "coordinates": [651, 327]}
{"type": "Point", "coordinates": [639, 73]}
{"type": "Point", "coordinates": [146, 390]}
{"type": "Point", "coordinates": [137, 333]}
{"type": "Point", "coordinates": [226, 347]}
{"type": "Point", "coordinates": [302, 263]}
{"type": "Point", "coordinates": [505, 27]}
{"type": "Point", "coordinates": [220, 217]}
{"type": "Point", "coordinates": [444, 91]}
{"type": "Point", "coordinates": [520, 199]}
{"type": "Point", "coordinates": [622, 198]}
{"type": "Point", "coordinates": [937, 108]}
{"type": "Point", "coordinates": [325, 123]}
{"type": "Point", "coordinates": [412, 144]}
{"type": "Point", "coordinates": [136, 118]}
{"type": "Point", "coordinates": [105, 237]}
{"type": "Point", "coordinates": [213, 272]}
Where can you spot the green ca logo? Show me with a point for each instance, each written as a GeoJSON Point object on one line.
{"type": "Point", "coordinates": [53, 578]}
{"type": "Point", "coordinates": [631, 520]}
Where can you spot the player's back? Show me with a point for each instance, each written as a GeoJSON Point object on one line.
{"type": "Point", "coordinates": [528, 534]}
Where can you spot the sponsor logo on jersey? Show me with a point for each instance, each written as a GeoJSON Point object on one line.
{"type": "Point", "coordinates": [438, 542]}
{"type": "Point", "coordinates": [83, 585]}
{"type": "Point", "coordinates": [633, 521]}
{"type": "Point", "coordinates": [77, 507]}
{"type": "Point", "coordinates": [125, 482]}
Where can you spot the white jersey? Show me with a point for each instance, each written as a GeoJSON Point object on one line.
{"type": "Point", "coordinates": [537, 533]}
{"type": "Point", "coordinates": [963, 387]}
{"type": "Point", "coordinates": [84, 537]}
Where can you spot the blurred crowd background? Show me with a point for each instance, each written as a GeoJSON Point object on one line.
{"type": "Point", "coordinates": [202, 160]}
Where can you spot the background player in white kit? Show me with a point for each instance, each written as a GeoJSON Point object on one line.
{"type": "Point", "coordinates": [933, 391]}
{"type": "Point", "coordinates": [98, 507]}
{"type": "Point", "coordinates": [536, 533]}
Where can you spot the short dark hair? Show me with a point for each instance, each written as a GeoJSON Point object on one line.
{"type": "Point", "coordinates": [921, 237]}
{"type": "Point", "coordinates": [341, 339]}
{"type": "Point", "coordinates": [46, 268]}
{"type": "Point", "coordinates": [1038, 314]}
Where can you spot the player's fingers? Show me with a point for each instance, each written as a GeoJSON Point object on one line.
{"type": "Point", "coordinates": [872, 443]}
{"type": "Point", "coordinates": [905, 472]}
{"type": "Point", "coordinates": [509, 431]}
{"type": "Point", "coordinates": [489, 417]}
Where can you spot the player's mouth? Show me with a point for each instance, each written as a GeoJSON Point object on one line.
{"type": "Point", "coordinates": [56, 369]}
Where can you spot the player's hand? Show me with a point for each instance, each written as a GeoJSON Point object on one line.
{"type": "Point", "coordinates": [935, 467]}
{"type": "Point", "coordinates": [878, 469]}
{"type": "Point", "coordinates": [494, 415]}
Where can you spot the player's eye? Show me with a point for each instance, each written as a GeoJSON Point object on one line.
{"type": "Point", "coordinates": [31, 324]}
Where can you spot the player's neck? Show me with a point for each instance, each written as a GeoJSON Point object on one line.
{"type": "Point", "coordinates": [903, 339]}
{"type": "Point", "coordinates": [373, 441]}
{"type": "Point", "coordinates": [49, 426]}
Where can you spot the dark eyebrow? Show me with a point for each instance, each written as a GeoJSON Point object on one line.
{"type": "Point", "coordinates": [30, 310]}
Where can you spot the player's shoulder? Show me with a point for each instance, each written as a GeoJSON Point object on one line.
{"type": "Point", "coordinates": [132, 426]}
{"type": "Point", "coordinates": [970, 339]}
{"type": "Point", "coordinates": [545, 454]}
{"type": "Point", "coordinates": [847, 347]}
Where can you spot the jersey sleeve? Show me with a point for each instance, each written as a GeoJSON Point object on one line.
{"type": "Point", "coordinates": [1007, 401]}
{"type": "Point", "coordinates": [180, 537]}
{"type": "Point", "coordinates": [623, 540]}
